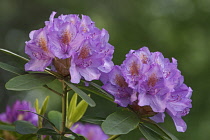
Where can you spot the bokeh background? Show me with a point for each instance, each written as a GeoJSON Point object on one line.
{"type": "Point", "coordinates": [177, 28]}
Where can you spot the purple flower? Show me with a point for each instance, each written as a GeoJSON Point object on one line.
{"type": "Point", "coordinates": [117, 86]}
{"type": "Point", "coordinates": [71, 46]}
{"type": "Point", "coordinates": [12, 114]}
{"type": "Point", "coordinates": [178, 105]}
{"type": "Point", "coordinates": [38, 50]}
{"type": "Point", "coordinates": [90, 131]}
{"type": "Point", "coordinates": [151, 85]}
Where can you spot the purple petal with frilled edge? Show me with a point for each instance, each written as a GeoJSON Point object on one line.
{"type": "Point", "coordinates": [134, 96]}
{"type": "Point", "coordinates": [73, 19]}
{"type": "Point", "coordinates": [60, 41]}
{"type": "Point", "coordinates": [39, 61]}
{"type": "Point", "coordinates": [179, 100]}
{"type": "Point", "coordinates": [90, 74]}
{"type": "Point", "coordinates": [155, 102]}
{"type": "Point", "coordinates": [114, 73]}
{"type": "Point", "coordinates": [189, 94]}
{"type": "Point", "coordinates": [31, 34]}
{"type": "Point", "coordinates": [86, 24]}
{"type": "Point", "coordinates": [116, 85]}
{"type": "Point", "coordinates": [143, 54]}
{"type": "Point", "coordinates": [104, 78]}
{"type": "Point", "coordinates": [157, 58]}
{"type": "Point", "coordinates": [104, 36]}
{"type": "Point", "coordinates": [38, 50]}
{"type": "Point", "coordinates": [77, 42]}
{"type": "Point", "coordinates": [131, 68]}
{"type": "Point", "coordinates": [152, 91]}
{"type": "Point", "coordinates": [52, 16]}
{"type": "Point", "coordinates": [121, 95]}
{"type": "Point", "coordinates": [49, 23]}
{"type": "Point", "coordinates": [37, 65]}
{"type": "Point", "coordinates": [106, 67]}
{"type": "Point", "coordinates": [158, 118]}
{"type": "Point", "coordinates": [74, 73]}
{"type": "Point", "coordinates": [180, 124]}
{"type": "Point", "coordinates": [55, 45]}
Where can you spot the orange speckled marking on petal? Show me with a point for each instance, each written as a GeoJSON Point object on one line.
{"type": "Point", "coordinates": [134, 68]}
{"type": "Point", "coordinates": [144, 59]}
{"type": "Point", "coordinates": [43, 44]}
{"type": "Point", "coordinates": [120, 81]}
{"type": "Point", "coordinates": [152, 80]}
{"type": "Point", "coordinates": [84, 53]}
{"type": "Point", "coordinates": [66, 37]}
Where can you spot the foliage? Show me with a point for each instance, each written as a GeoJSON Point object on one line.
{"type": "Point", "coordinates": [83, 63]}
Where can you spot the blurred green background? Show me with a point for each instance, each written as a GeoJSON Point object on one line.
{"type": "Point", "coordinates": [177, 28]}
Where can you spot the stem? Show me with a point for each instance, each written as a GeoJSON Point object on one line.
{"type": "Point", "coordinates": [64, 108]}
{"type": "Point", "coordinates": [97, 93]}
{"type": "Point", "coordinates": [113, 137]}
{"type": "Point", "coordinates": [58, 76]}
{"type": "Point", "coordinates": [53, 90]}
{"type": "Point", "coordinates": [9, 52]}
{"type": "Point", "coordinates": [40, 120]}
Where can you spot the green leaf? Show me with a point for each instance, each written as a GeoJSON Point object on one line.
{"type": "Point", "coordinates": [80, 138]}
{"type": "Point", "coordinates": [40, 116]}
{"type": "Point", "coordinates": [82, 94]}
{"type": "Point", "coordinates": [72, 106]}
{"type": "Point", "coordinates": [7, 127]}
{"type": "Point", "coordinates": [11, 68]}
{"type": "Point", "coordinates": [14, 54]}
{"type": "Point", "coordinates": [46, 131]}
{"type": "Point", "coordinates": [97, 92]}
{"type": "Point", "coordinates": [93, 120]}
{"type": "Point", "coordinates": [28, 81]}
{"type": "Point", "coordinates": [28, 137]}
{"type": "Point", "coordinates": [44, 106]}
{"type": "Point", "coordinates": [36, 104]}
{"type": "Point", "coordinates": [74, 135]}
{"type": "Point", "coordinates": [161, 129]}
{"type": "Point", "coordinates": [150, 134]}
{"type": "Point", "coordinates": [24, 127]}
{"type": "Point", "coordinates": [54, 137]}
{"type": "Point", "coordinates": [56, 118]}
{"type": "Point", "coordinates": [99, 88]}
{"type": "Point", "coordinates": [79, 111]}
{"type": "Point", "coordinates": [171, 136]}
{"type": "Point", "coordinates": [120, 122]}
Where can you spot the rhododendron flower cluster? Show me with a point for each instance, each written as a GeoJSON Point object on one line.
{"type": "Point", "coordinates": [71, 46]}
{"type": "Point", "coordinates": [12, 114]}
{"type": "Point", "coordinates": [90, 131]}
{"type": "Point", "coordinates": [151, 85]}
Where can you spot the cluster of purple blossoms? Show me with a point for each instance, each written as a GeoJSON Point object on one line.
{"type": "Point", "coordinates": [151, 85]}
{"type": "Point", "coordinates": [12, 114]}
{"type": "Point", "coordinates": [90, 131]}
{"type": "Point", "coordinates": [71, 46]}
